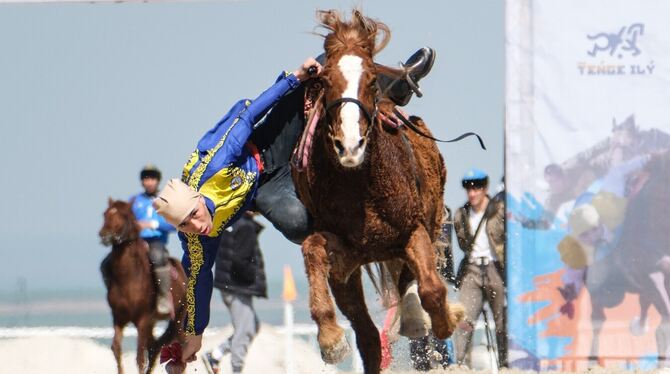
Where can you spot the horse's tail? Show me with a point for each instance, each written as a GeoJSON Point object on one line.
{"type": "Point", "coordinates": [384, 277]}
{"type": "Point", "coordinates": [155, 348]}
{"type": "Point", "coordinates": [169, 334]}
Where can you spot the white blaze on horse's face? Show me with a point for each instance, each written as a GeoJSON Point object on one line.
{"type": "Point", "coordinates": [351, 147]}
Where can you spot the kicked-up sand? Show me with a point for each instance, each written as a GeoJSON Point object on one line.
{"type": "Point", "coordinates": [60, 355]}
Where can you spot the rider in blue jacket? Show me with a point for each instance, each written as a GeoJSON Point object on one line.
{"type": "Point", "coordinates": [154, 230]}
{"type": "Point", "coordinates": [243, 163]}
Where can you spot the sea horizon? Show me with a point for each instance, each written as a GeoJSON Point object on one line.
{"type": "Point", "coordinates": [88, 307]}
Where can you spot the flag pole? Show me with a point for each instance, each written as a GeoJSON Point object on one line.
{"type": "Point", "coordinates": [289, 295]}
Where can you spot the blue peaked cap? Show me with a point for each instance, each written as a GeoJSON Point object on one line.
{"type": "Point", "coordinates": [475, 174]}
{"type": "Point", "coordinates": [475, 178]}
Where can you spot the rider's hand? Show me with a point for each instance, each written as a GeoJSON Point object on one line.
{"type": "Point", "coordinates": [175, 368]}
{"type": "Point", "coordinates": [190, 347]}
{"type": "Point", "coordinates": [664, 264]}
{"type": "Point", "coordinates": [302, 74]}
{"type": "Point", "coordinates": [147, 224]}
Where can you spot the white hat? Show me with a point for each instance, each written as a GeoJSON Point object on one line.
{"type": "Point", "coordinates": [176, 201]}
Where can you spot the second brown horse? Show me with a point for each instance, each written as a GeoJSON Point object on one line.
{"type": "Point", "coordinates": [131, 292]}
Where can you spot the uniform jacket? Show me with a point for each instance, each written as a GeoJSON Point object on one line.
{"type": "Point", "coordinates": [239, 262]}
{"type": "Point", "coordinates": [224, 168]}
{"type": "Point", "coordinates": [494, 229]}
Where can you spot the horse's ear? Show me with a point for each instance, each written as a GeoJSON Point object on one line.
{"type": "Point", "coordinates": [328, 18]}
{"type": "Point", "coordinates": [386, 37]}
{"type": "Point", "coordinates": [373, 28]}
{"type": "Point", "coordinates": [110, 201]}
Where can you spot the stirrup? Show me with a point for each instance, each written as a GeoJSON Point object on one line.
{"type": "Point", "coordinates": [414, 86]}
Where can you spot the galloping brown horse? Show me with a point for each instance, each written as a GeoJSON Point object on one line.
{"type": "Point", "coordinates": [131, 292]}
{"type": "Point", "coordinates": [375, 194]}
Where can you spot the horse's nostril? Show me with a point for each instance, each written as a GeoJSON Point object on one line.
{"type": "Point", "coordinates": [361, 142]}
{"type": "Point", "coordinates": [339, 146]}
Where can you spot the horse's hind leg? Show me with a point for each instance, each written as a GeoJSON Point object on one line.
{"type": "Point", "coordinates": [116, 346]}
{"type": "Point", "coordinates": [332, 341]}
{"type": "Point", "coordinates": [421, 259]}
{"type": "Point", "coordinates": [350, 299]}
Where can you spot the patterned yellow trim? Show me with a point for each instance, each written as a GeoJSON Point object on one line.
{"type": "Point", "coordinates": [189, 165]}
{"type": "Point", "coordinates": [228, 190]}
{"type": "Point", "coordinates": [195, 249]}
{"type": "Point", "coordinates": [195, 254]}
{"type": "Point", "coordinates": [200, 170]}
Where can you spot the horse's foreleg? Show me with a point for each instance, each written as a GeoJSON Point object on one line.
{"type": "Point", "coordinates": [116, 346]}
{"type": "Point", "coordinates": [144, 340]}
{"type": "Point", "coordinates": [350, 299]}
{"type": "Point", "coordinates": [421, 259]}
{"type": "Point", "coordinates": [332, 341]}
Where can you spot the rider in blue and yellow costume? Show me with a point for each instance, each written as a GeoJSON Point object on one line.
{"type": "Point", "coordinates": [243, 163]}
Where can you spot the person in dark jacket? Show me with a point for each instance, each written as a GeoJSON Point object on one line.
{"type": "Point", "coordinates": [239, 276]}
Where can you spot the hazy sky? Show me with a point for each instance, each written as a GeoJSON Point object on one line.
{"type": "Point", "coordinates": [89, 93]}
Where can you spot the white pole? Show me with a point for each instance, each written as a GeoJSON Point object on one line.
{"type": "Point", "coordinates": [288, 338]}
{"type": "Point", "coordinates": [289, 295]}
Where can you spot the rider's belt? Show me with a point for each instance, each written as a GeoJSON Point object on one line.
{"type": "Point", "coordinates": [257, 156]}
{"type": "Point", "coordinates": [479, 261]}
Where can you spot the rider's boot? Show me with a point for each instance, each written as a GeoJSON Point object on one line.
{"type": "Point", "coordinates": [163, 300]}
{"type": "Point", "coordinates": [416, 67]}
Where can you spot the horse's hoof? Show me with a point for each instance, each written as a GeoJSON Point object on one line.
{"type": "Point", "coordinates": [413, 328]}
{"type": "Point", "coordinates": [636, 328]}
{"type": "Point", "coordinates": [414, 321]}
{"type": "Point", "coordinates": [337, 352]}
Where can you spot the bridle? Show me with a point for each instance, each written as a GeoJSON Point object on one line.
{"type": "Point", "coordinates": [370, 115]}
{"type": "Point", "coordinates": [123, 236]}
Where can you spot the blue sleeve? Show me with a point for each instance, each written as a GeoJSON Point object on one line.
{"type": "Point", "coordinates": [241, 130]}
{"type": "Point", "coordinates": [198, 260]}
{"type": "Point", "coordinates": [265, 101]}
{"type": "Point", "coordinates": [136, 206]}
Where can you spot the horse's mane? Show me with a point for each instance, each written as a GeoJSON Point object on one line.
{"type": "Point", "coordinates": [359, 33]}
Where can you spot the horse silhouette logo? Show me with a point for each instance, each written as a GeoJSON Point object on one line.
{"type": "Point", "coordinates": [619, 42]}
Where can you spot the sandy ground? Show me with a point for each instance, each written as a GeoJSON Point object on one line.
{"type": "Point", "coordinates": [85, 356]}
{"type": "Point", "coordinates": [78, 355]}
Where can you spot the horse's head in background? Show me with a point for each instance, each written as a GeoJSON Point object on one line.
{"type": "Point", "coordinates": [119, 224]}
{"type": "Point", "coordinates": [351, 92]}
